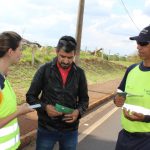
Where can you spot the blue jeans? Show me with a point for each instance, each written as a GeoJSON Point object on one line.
{"type": "Point", "coordinates": [46, 139]}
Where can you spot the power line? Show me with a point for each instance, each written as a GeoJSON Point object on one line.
{"type": "Point", "coordinates": [129, 15]}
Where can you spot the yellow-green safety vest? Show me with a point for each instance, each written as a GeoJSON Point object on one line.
{"type": "Point", "coordinates": [9, 134]}
{"type": "Point", "coordinates": [138, 83]}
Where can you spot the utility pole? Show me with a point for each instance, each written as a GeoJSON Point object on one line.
{"type": "Point", "coordinates": [109, 55]}
{"type": "Point", "coordinates": [79, 30]}
{"type": "Point", "coordinates": [102, 50]}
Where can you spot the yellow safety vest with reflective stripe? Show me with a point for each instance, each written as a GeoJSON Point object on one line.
{"type": "Point", "coordinates": [138, 83]}
{"type": "Point", "coordinates": [9, 134]}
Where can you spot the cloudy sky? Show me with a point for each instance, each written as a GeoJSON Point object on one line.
{"type": "Point", "coordinates": [106, 23]}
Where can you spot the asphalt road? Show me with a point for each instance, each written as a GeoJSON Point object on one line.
{"type": "Point", "coordinates": [102, 130]}
{"type": "Point", "coordinates": [98, 129]}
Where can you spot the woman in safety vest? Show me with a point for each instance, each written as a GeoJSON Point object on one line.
{"type": "Point", "coordinates": [10, 53]}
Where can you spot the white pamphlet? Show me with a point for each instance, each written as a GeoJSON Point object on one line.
{"type": "Point", "coordinates": [138, 109]}
{"type": "Point", "coordinates": [35, 106]}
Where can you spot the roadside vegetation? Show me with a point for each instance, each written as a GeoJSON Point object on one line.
{"type": "Point", "coordinates": [97, 70]}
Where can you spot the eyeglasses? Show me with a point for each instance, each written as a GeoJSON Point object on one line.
{"type": "Point", "coordinates": [143, 43]}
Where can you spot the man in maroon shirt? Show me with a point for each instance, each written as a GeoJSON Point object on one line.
{"type": "Point", "coordinates": [62, 83]}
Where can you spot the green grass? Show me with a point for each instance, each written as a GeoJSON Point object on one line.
{"type": "Point", "coordinates": [124, 63]}
{"type": "Point", "coordinates": [97, 71]}
{"type": "Point", "coordinates": [100, 71]}
{"type": "Point", "coordinates": [86, 55]}
{"type": "Point", "coordinates": [20, 77]}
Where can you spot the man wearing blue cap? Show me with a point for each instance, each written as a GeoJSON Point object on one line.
{"type": "Point", "coordinates": [134, 97]}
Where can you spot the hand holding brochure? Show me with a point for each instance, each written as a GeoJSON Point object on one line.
{"type": "Point", "coordinates": [138, 109]}
{"type": "Point", "coordinates": [63, 109]}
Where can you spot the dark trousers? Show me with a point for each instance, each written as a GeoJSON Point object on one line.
{"type": "Point", "coordinates": [133, 141]}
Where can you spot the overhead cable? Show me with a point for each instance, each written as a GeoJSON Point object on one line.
{"type": "Point", "coordinates": [129, 15]}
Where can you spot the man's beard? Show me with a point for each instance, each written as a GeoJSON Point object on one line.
{"type": "Point", "coordinates": [65, 66]}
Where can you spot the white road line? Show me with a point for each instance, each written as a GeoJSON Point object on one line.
{"type": "Point", "coordinates": [92, 114]}
{"type": "Point", "coordinates": [95, 125]}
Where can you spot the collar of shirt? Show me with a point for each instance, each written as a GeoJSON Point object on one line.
{"type": "Point", "coordinates": [64, 72]}
{"type": "Point", "coordinates": [143, 68]}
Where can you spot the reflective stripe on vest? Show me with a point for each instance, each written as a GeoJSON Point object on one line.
{"type": "Point", "coordinates": [138, 83]}
{"type": "Point", "coordinates": [8, 130]}
{"type": "Point", "coordinates": [9, 134]}
{"type": "Point", "coordinates": [10, 143]}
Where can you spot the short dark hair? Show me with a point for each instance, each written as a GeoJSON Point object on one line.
{"type": "Point", "coordinates": [67, 43]}
{"type": "Point", "coordinates": [9, 39]}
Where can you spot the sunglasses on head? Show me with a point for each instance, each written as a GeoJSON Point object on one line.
{"type": "Point", "coordinates": [66, 42]}
{"type": "Point", "coordinates": [143, 43]}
